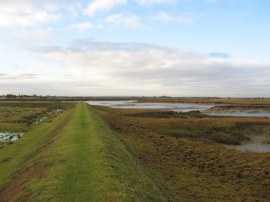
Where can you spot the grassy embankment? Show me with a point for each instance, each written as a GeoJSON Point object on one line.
{"type": "Point", "coordinates": [76, 157]}
{"type": "Point", "coordinates": [191, 166]}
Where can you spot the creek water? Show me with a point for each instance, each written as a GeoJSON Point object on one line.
{"type": "Point", "coordinates": [10, 137]}
{"type": "Point", "coordinates": [257, 144]}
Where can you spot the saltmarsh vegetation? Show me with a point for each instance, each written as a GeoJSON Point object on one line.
{"type": "Point", "coordinates": [184, 157]}
{"type": "Point", "coordinates": [74, 157]}
{"type": "Point", "coordinates": [226, 130]}
{"type": "Point", "coordinates": [19, 116]}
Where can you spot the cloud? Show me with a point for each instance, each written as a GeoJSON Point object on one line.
{"type": "Point", "coordinates": [24, 13]}
{"type": "Point", "coordinates": [145, 69]}
{"type": "Point", "coordinates": [102, 5]}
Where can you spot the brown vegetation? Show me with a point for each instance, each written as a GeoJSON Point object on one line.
{"type": "Point", "coordinates": [186, 167]}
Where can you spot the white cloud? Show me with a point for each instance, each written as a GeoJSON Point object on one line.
{"type": "Point", "coordinates": [24, 13]}
{"type": "Point", "coordinates": [146, 2]}
{"type": "Point", "coordinates": [124, 20]}
{"type": "Point", "coordinates": [102, 5]}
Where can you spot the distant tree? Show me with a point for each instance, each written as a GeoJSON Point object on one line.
{"type": "Point", "coordinates": [10, 96]}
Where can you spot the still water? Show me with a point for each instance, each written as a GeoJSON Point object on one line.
{"type": "Point", "coordinates": [132, 104]}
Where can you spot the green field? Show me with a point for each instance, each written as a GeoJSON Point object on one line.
{"type": "Point", "coordinates": [86, 153]}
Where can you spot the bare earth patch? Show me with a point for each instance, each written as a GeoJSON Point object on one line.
{"type": "Point", "coordinates": [16, 188]}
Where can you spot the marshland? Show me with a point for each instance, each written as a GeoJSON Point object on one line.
{"type": "Point", "coordinates": [143, 154]}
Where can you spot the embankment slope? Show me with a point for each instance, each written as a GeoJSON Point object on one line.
{"type": "Point", "coordinates": [76, 157]}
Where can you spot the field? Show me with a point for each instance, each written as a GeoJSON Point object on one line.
{"type": "Point", "coordinates": [91, 153]}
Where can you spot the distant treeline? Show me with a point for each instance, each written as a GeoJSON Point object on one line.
{"type": "Point", "coordinates": [216, 100]}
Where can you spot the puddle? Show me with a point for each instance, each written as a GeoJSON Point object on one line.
{"type": "Point", "coordinates": [44, 117]}
{"type": "Point", "coordinates": [257, 144]}
{"type": "Point", "coordinates": [10, 137]}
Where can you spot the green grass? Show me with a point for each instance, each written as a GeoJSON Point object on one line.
{"type": "Point", "coordinates": [76, 157]}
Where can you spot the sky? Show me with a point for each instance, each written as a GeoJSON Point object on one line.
{"type": "Point", "coordinates": [135, 47]}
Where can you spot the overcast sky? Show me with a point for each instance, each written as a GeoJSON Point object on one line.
{"type": "Point", "coordinates": [135, 47]}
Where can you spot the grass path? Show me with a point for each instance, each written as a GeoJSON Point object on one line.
{"type": "Point", "coordinates": [74, 158]}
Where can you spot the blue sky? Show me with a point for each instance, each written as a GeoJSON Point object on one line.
{"type": "Point", "coordinates": [135, 47]}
